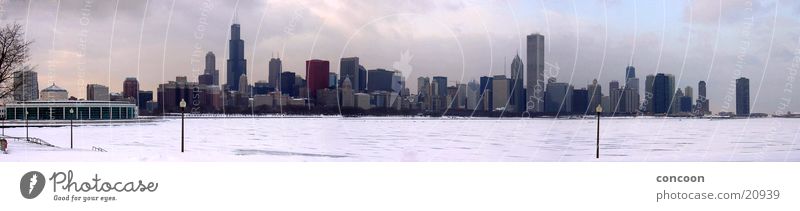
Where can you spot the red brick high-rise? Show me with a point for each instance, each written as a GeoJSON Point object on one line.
{"type": "Point", "coordinates": [317, 76]}
{"type": "Point", "coordinates": [130, 88]}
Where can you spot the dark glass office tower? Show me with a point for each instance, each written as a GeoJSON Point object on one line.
{"type": "Point", "coordinates": [580, 101]}
{"type": "Point", "coordinates": [702, 100]}
{"type": "Point", "coordinates": [661, 94]}
{"type": "Point", "coordinates": [287, 84]}
{"type": "Point", "coordinates": [349, 68]}
{"type": "Point", "coordinates": [630, 72]}
{"type": "Point", "coordinates": [237, 65]}
{"type": "Point", "coordinates": [742, 96]}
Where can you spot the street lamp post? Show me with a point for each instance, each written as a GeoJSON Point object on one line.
{"type": "Point", "coordinates": [183, 108]}
{"type": "Point", "coordinates": [26, 125]}
{"type": "Point", "coordinates": [71, 112]}
{"type": "Point", "coordinates": [599, 110]}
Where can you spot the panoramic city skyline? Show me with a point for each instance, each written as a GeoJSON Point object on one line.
{"type": "Point", "coordinates": [290, 31]}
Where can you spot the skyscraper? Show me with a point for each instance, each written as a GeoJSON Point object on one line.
{"type": "Point", "coordinates": [424, 92]}
{"type": "Point", "coordinates": [130, 89]}
{"type": "Point", "coordinates": [379, 80]}
{"type": "Point", "coordinates": [275, 68]}
{"type": "Point", "coordinates": [472, 95]}
{"type": "Point", "coordinates": [558, 97]}
{"type": "Point", "coordinates": [333, 80]}
{"type": "Point", "coordinates": [535, 78]}
{"type": "Point", "coordinates": [630, 97]}
{"type": "Point", "coordinates": [501, 87]}
{"type": "Point", "coordinates": [615, 96]}
{"type": "Point", "coordinates": [244, 87]}
{"type": "Point", "coordinates": [349, 68]}
{"type": "Point", "coordinates": [630, 93]}
{"type": "Point", "coordinates": [580, 101]}
{"type": "Point", "coordinates": [630, 72]}
{"type": "Point", "coordinates": [648, 93]}
{"type": "Point", "coordinates": [287, 84]}
{"type": "Point", "coordinates": [237, 65]}
{"type": "Point", "coordinates": [317, 76]}
{"type": "Point", "coordinates": [97, 92]}
{"type": "Point", "coordinates": [485, 91]}
{"type": "Point", "coordinates": [517, 103]}
{"type": "Point", "coordinates": [211, 68]}
{"type": "Point", "coordinates": [143, 98]}
{"type": "Point", "coordinates": [676, 101]}
{"type": "Point", "coordinates": [661, 94]}
{"type": "Point", "coordinates": [347, 100]}
{"type": "Point", "coordinates": [362, 79]}
{"type": "Point", "coordinates": [702, 100]}
{"type": "Point", "coordinates": [742, 96]}
{"type": "Point", "coordinates": [595, 95]}
{"type": "Point", "coordinates": [439, 95]}
{"type": "Point", "coordinates": [27, 82]}
{"type": "Point", "coordinates": [441, 88]}
{"type": "Point", "coordinates": [688, 91]}
{"type": "Point", "coordinates": [686, 104]}
{"type": "Point", "coordinates": [671, 88]}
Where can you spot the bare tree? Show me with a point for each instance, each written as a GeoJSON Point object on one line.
{"type": "Point", "coordinates": [14, 52]}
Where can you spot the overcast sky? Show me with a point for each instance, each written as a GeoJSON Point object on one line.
{"type": "Point", "coordinates": [80, 42]}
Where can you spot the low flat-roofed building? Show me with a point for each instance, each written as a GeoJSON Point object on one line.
{"type": "Point", "coordinates": [60, 110]}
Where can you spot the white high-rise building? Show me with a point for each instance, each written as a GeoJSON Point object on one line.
{"type": "Point", "coordinates": [348, 99]}
{"type": "Point", "coordinates": [27, 83]}
{"type": "Point", "coordinates": [461, 96]}
{"type": "Point", "coordinates": [473, 88]}
{"type": "Point", "coordinates": [535, 73]}
{"type": "Point", "coordinates": [631, 96]}
{"type": "Point", "coordinates": [244, 88]}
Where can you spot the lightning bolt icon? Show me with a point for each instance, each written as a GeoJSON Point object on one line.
{"type": "Point", "coordinates": [34, 181]}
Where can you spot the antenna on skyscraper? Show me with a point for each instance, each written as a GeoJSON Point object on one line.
{"type": "Point", "coordinates": [236, 16]}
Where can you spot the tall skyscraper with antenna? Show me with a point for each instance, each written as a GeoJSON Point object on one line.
{"type": "Point", "coordinates": [275, 69]}
{"type": "Point", "coordinates": [237, 65]}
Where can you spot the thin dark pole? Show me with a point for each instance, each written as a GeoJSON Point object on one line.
{"type": "Point", "coordinates": [182, 113]}
{"type": "Point", "coordinates": [70, 133]}
{"type": "Point", "coordinates": [597, 155]}
{"type": "Point", "coordinates": [27, 138]}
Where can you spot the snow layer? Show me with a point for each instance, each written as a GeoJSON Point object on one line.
{"type": "Point", "coordinates": [418, 139]}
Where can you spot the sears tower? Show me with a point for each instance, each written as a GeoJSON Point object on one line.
{"type": "Point", "coordinates": [237, 65]}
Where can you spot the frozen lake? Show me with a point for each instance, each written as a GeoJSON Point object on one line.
{"type": "Point", "coordinates": [419, 139]}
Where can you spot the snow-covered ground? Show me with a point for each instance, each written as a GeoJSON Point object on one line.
{"type": "Point", "coordinates": [418, 139]}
